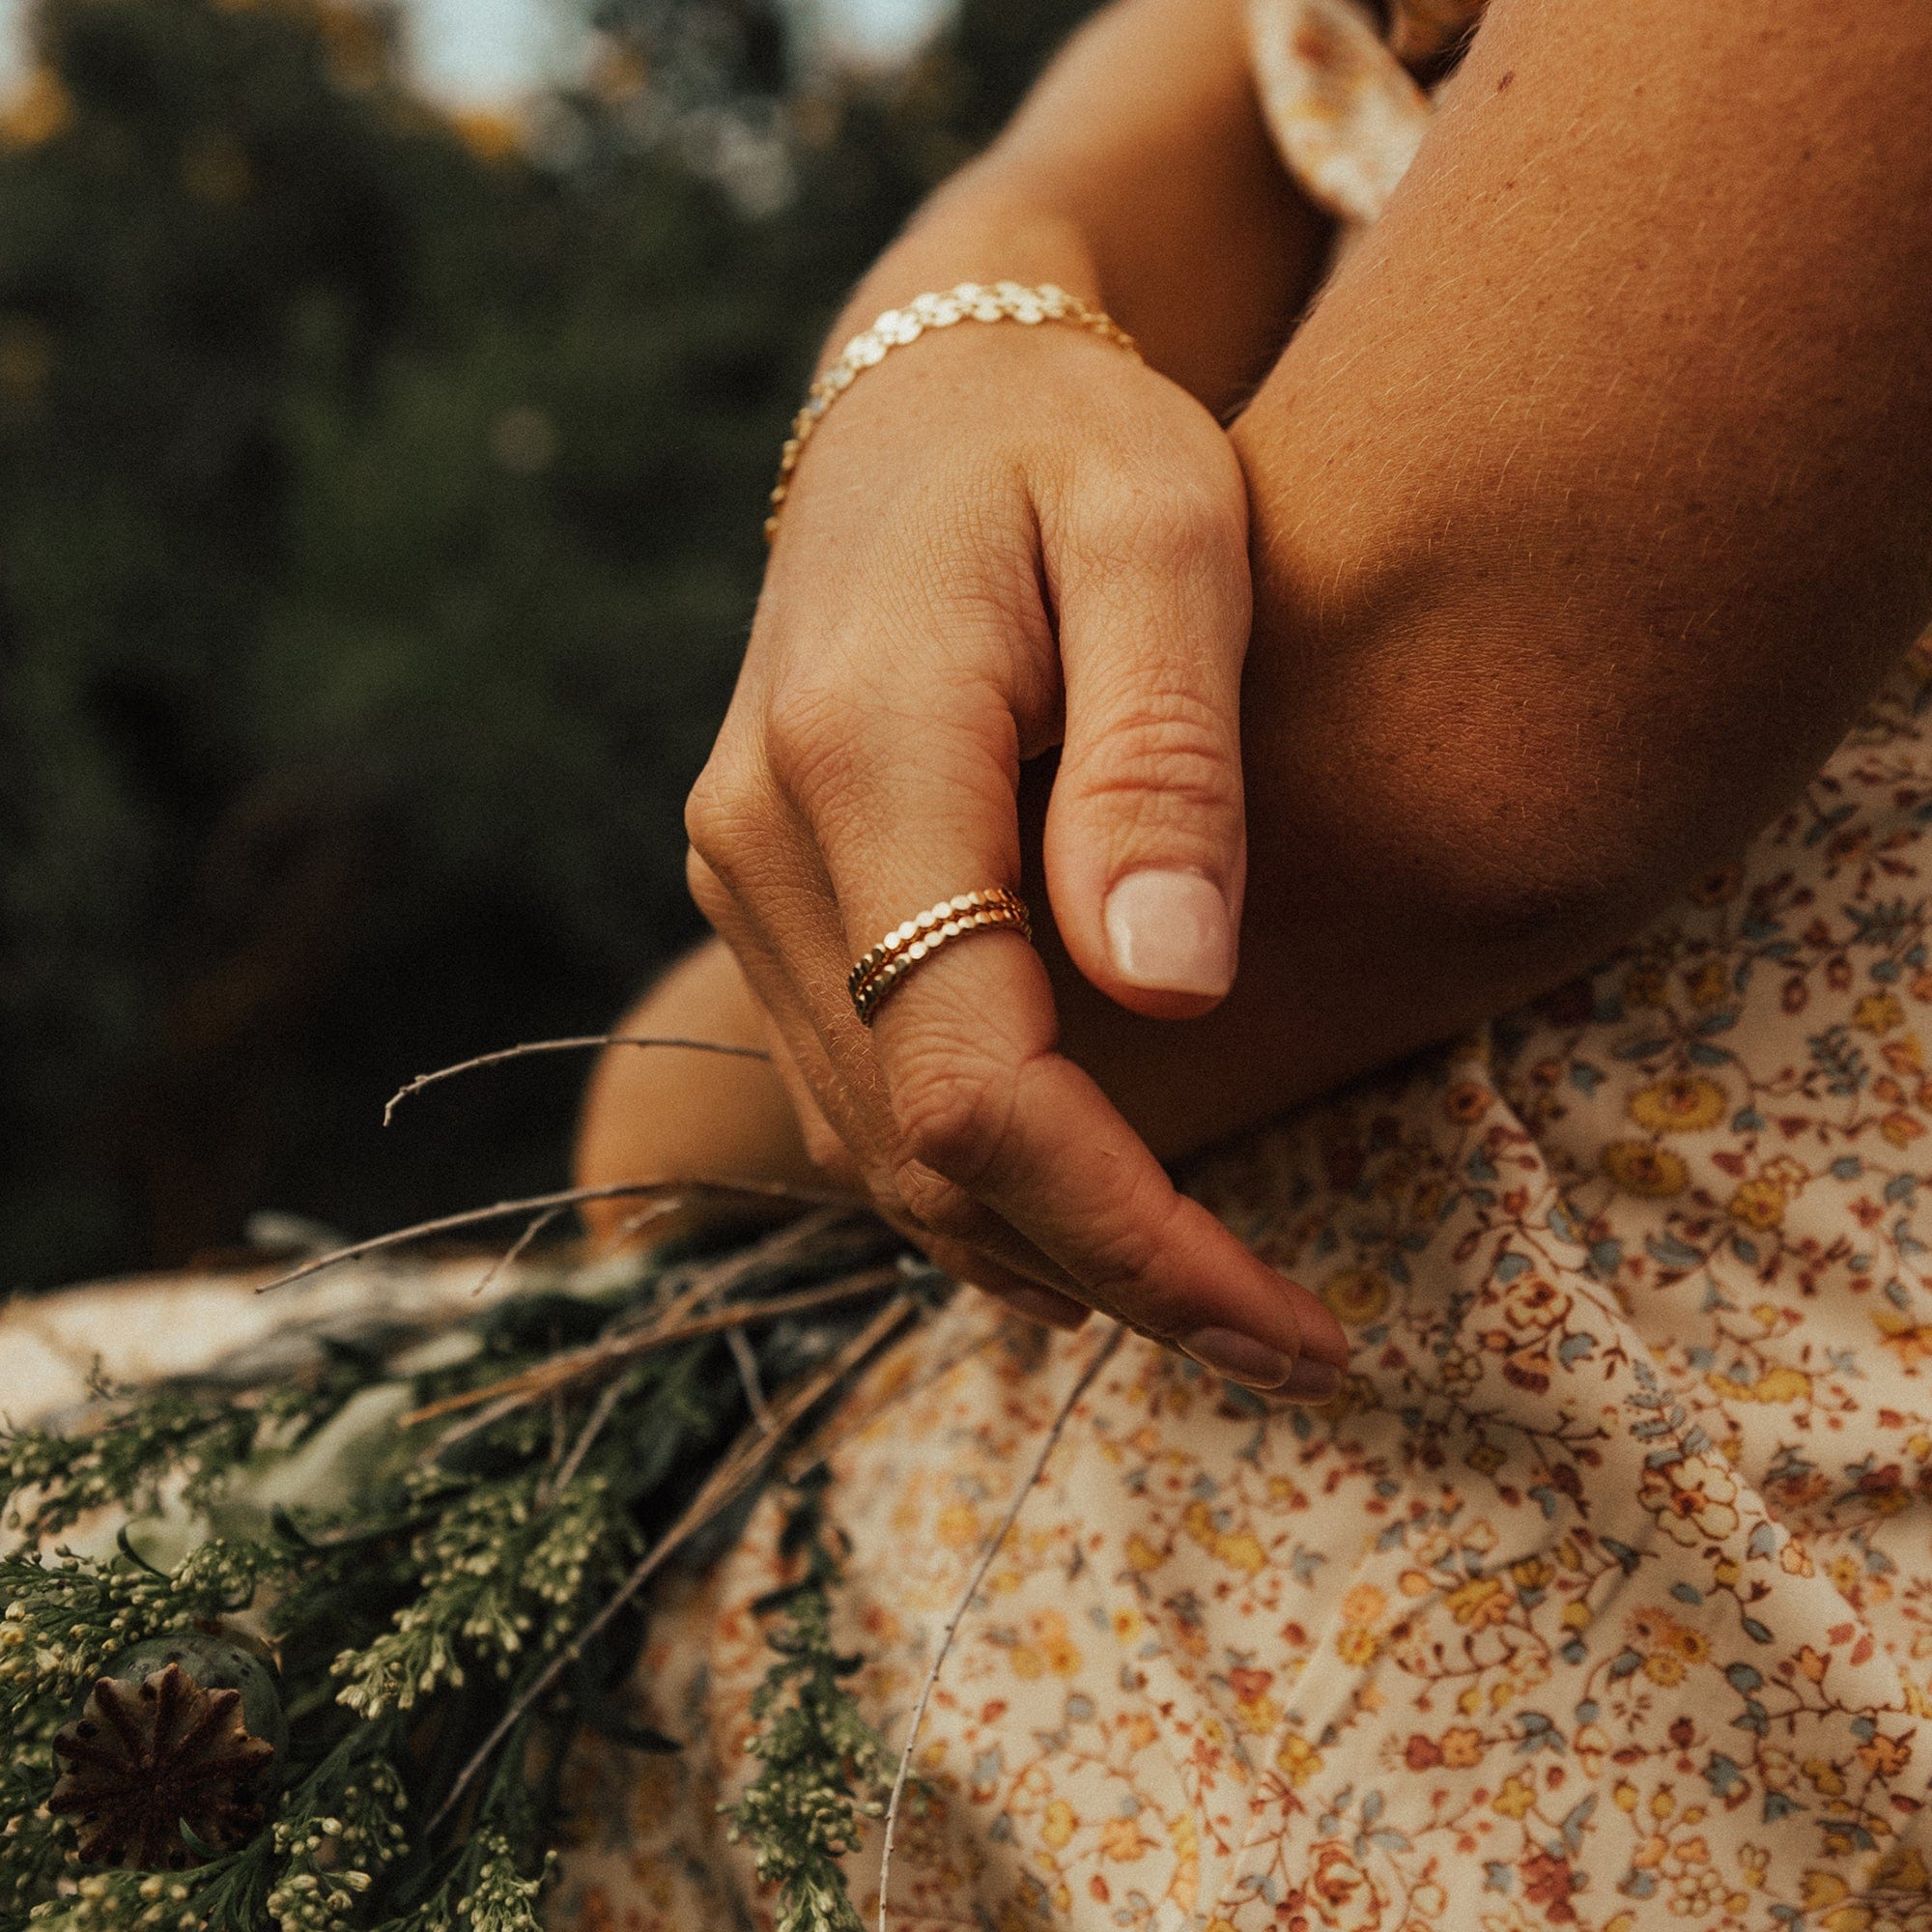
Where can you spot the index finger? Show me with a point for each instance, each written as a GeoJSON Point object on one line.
{"type": "Point", "coordinates": [989, 1114]}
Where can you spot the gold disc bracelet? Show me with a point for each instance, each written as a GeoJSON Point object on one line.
{"type": "Point", "coordinates": [970, 302]}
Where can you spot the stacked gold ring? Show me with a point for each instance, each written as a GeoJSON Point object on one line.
{"type": "Point", "coordinates": [915, 941]}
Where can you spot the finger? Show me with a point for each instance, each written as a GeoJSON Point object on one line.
{"type": "Point", "coordinates": [843, 1136]}
{"type": "Point", "coordinates": [1023, 1296]}
{"type": "Point", "coordinates": [986, 1102]}
{"type": "Point", "coordinates": [1146, 844]}
{"type": "Point", "coordinates": [991, 1117]}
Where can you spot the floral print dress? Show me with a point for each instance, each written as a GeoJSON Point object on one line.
{"type": "Point", "coordinates": [1600, 1598]}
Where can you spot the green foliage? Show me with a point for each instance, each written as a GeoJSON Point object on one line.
{"type": "Point", "coordinates": [379, 528]}
{"type": "Point", "coordinates": [824, 1766]}
{"type": "Point", "coordinates": [417, 1598]}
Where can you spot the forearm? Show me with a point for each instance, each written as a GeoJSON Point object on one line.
{"type": "Point", "coordinates": [1590, 503]}
{"type": "Point", "coordinates": [1139, 176]}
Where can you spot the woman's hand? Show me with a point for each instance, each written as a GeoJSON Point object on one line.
{"type": "Point", "coordinates": [1002, 540]}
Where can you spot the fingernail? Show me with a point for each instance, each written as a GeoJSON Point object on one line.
{"type": "Point", "coordinates": [1242, 1359]}
{"type": "Point", "coordinates": [1170, 932]}
{"type": "Point", "coordinates": [1309, 1380]}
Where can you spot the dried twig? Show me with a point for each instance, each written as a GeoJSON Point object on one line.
{"type": "Point", "coordinates": [577, 1043]}
{"type": "Point", "coordinates": [514, 1252]}
{"type": "Point", "coordinates": [575, 1364]}
{"type": "Point", "coordinates": [600, 1414]}
{"type": "Point", "coordinates": [739, 1467]}
{"type": "Point", "coordinates": [1099, 1359]}
{"type": "Point", "coordinates": [748, 1377]}
{"type": "Point", "coordinates": [569, 1197]}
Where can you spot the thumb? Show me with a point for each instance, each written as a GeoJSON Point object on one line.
{"type": "Point", "coordinates": [1145, 843]}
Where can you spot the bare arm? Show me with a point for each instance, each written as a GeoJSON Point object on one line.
{"type": "Point", "coordinates": [1139, 175]}
{"type": "Point", "coordinates": [1590, 503]}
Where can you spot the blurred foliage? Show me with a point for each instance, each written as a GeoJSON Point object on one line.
{"type": "Point", "coordinates": [380, 501]}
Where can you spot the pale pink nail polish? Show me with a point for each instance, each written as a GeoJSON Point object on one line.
{"type": "Point", "coordinates": [1169, 932]}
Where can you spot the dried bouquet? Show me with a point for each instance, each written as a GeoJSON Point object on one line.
{"type": "Point", "coordinates": [358, 1591]}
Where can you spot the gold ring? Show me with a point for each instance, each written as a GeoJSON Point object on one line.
{"type": "Point", "coordinates": [915, 941]}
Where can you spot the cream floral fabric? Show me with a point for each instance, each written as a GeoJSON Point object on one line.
{"type": "Point", "coordinates": [1603, 1597]}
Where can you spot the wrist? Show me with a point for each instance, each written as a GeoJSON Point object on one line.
{"type": "Point", "coordinates": [967, 234]}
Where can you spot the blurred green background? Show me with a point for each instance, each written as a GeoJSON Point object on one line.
{"type": "Point", "coordinates": [379, 502]}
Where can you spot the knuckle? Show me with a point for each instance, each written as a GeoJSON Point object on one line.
{"type": "Point", "coordinates": [952, 1110]}
{"type": "Point", "coordinates": [1178, 528]}
{"type": "Point", "coordinates": [815, 754]}
{"type": "Point", "coordinates": [1169, 743]}
{"type": "Point", "coordinates": [1118, 1269]}
{"type": "Point", "coordinates": [722, 814]}
{"type": "Point", "coordinates": [940, 1206]}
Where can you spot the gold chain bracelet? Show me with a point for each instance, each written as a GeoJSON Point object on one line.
{"type": "Point", "coordinates": [970, 302]}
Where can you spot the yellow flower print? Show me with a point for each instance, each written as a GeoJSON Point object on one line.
{"type": "Point", "coordinates": [1363, 1604]}
{"type": "Point", "coordinates": [1646, 985]}
{"type": "Point", "coordinates": [1903, 1869]}
{"type": "Point", "coordinates": [1058, 1824]}
{"type": "Point", "coordinates": [1240, 1549]}
{"type": "Point", "coordinates": [1479, 1603]}
{"type": "Point", "coordinates": [1821, 1889]}
{"type": "Point", "coordinates": [1886, 1757]}
{"type": "Point", "coordinates": [1123, 1840]}
{"type": "Point", "coordinates": [1356, 1644]}
{"type": "Point", "coordinates": [1684, 1103]}
{"type": "Point", "coordinates": [1515, 1799]}
{"type": "Point", "coordinates": [1708, 984]}
{"type": "Point", "coordinates": [1648, 1172]}
{"type": "Point", "coordinates": [1531, 1573]}
{"type": "Point", "coordinates": [1047, 1648]}
{"type": "Point", "coordinates": [1297, 1760]}
{"type": "Point", "coordinates": [1901, 1129]}
{"type": "Point", "coordinates": [1904, 1055]}
{"type": "Point", "coordinates": [1664, 1666]}
{"type": "Point", "coordinates": [1461, 1747]}
{"type": "Point", "coordinates": [1878, 1013]}
{"type": "Point", "coordinates": [1693, 1500]}
{"type": "Point", "coordinates": [1356, 1296]}
{"type": "Point", "coordinates": [958, 1526]}
{"type": "Point", "coordinates": [1143, 1556]}
{"type": "Point", "coordinates": [1759, 1202]}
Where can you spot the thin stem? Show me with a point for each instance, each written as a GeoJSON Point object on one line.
{"type": "Point", "coordinates": [560, 1371]}
{"type": "Point", "coordinates": [600, 1414]}
{"type": "Point", "coordinates": [739, 1468]}
{"type": "Point", "coordinates": [577, 1043]}
{"type": "Point", "coordinates": [1100, 1357]}
{"type": "Point", "coordinates": [514, 1252]}
{"type": "Point", "coordinates": [569, 1197]}
{"type": "Point", "coordinates": [748, 1377]}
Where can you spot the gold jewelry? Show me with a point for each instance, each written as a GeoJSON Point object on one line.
{"type": "Point", "coordinates": [970, 302]}
{"type": "Point", "coordinates": [909, 945]}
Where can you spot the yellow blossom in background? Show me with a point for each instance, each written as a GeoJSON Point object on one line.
{"type": "Point", "coordinates": [489, 133]}
{"type": "Point", "coordinates": [38, 112]}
